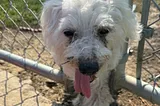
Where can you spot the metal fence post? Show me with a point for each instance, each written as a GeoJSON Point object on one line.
{"type": "Point", "coordinates": [144, 20]}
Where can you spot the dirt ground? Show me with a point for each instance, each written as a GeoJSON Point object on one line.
{"type": "Point", "coordinates": [51, 91]}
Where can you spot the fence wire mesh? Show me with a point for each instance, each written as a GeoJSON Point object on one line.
{"type": "Point", "coordinates": [17, 87]}
{"type": "Point", "coordinates": [17, 92]}
{"type": "Point", "coordinates": [16, 15]}
{"type": "Point", "coordinates": [20, 34]}
{"type": "Point", "coordinates": [151, 55]}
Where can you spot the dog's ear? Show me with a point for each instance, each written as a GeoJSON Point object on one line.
{"type": "Point", "coordinates": [131, 26]}
{"type": "Point", "coordinates": [51, 13]}
{"type": "Point", "coordinates": [50, 17]}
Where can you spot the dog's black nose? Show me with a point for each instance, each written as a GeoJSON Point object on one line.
{"type": "Point", "coordinates": [88, 67]}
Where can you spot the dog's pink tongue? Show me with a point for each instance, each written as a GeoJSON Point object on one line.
{"type": "Point", "coordinates": [82, 84]}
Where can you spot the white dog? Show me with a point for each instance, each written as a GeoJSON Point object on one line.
{"type": "Point", "coordinates": [87, 37]}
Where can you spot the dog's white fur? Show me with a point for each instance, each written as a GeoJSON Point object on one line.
{"type": "Point", "coordinates": [85, 17]}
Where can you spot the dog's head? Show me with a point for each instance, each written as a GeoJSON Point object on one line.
{"type": "Point", "coordinates": [87, 34]}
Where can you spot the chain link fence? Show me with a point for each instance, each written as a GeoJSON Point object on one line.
{"type": "Point", "coordinates": [148, 57]}
{"type": "Point", "coordinates": [15, 88]}
{"type": "Point", "coordinates": [20, 34]}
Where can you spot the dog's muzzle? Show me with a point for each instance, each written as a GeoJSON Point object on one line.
{"type": "Point", "coordinates": [88, 67]}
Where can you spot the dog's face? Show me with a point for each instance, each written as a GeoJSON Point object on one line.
{"type": "Point", "coordinates": [87, 34]}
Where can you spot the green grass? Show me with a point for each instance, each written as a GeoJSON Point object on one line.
{"type": "Point", "coordinates": [34, 5]}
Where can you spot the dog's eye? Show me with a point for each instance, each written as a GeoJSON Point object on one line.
{"type": "Point", "coordinates": [69, 33]}
{"type": "Point", "coordinates": [103, 31]}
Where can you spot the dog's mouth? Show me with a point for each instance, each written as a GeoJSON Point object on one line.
{"type": "Point", "coordinates": [82, 83]}
{"type": "Point", "coordinates": [85, 73]}
{"type": "Point", "coordinates": [92, 78]}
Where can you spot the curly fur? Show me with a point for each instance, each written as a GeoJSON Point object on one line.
{"type": "Point", "coordinates": [85, 17]}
